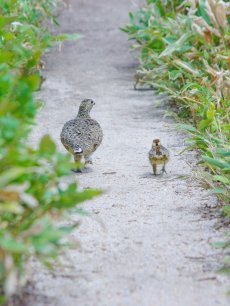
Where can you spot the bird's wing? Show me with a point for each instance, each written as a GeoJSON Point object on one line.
{"type": "Point", "coordinates": [152, 153]}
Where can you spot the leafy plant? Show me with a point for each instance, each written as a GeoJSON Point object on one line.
{"type": "Point", "coordinates": [36, 188]}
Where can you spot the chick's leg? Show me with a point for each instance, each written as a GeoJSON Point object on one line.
{"type": "Point", "coordinates": [163, 169]}
{"type": "Point", "coordinates": [154, 169]}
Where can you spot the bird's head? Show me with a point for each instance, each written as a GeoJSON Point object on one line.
{"type": "Point", "coordinates": [85, 107]}
{"type": "Point", "coordinates": [156, 142]}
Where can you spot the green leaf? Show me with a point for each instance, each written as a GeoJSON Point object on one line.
{"type": "Point", "coordinates": [223, 152]}
{"type": "Point", "coordinates": [174, 74]}
{"type": "Point", "coordinates": [203, 124]}
{"type": "Point", "coordinates": [221, 178]}
{"type": "Point", "coordinates": [64, 37]}
{"type": "Point", "coordinates": [156, 44]}
{"type": "Point", "coordinates": [176, 45]}
{"type": "Point", "coordinates": [219, 244]}
{"type": "Point", "coordinates": [6, 56]}
{"type": "Point", "coordinates": [47, 146]}
{"type": "Point", "coordinates": [226, 210]}
{"type": "Point", "coordinates": [33, 81]}
{"type": "Point", "coordinates": [11, 207]}
{"type": "Point", "coordinates": [217, 163]}
{"type": "Point", "coordinates": [187, 67]}
{"type": "Point", "coordinates": [12, 245]}
{"type": "Point", "coordinates": [218, 191]}
{"type": "Point", "coordinates": [11, 174]}
{"type": "Point", "coordinates": [131, 17]}
{"type": "Point", "coordinates": [4, 20]}
{"type": "Point", "coordinates": [211, 112]}
{"type": "Point", "coordinates": [187, 127]}
{"type": "Point", "coordinates": [71, 197]}
{"type": "Point", "coordinates": [203, 11]}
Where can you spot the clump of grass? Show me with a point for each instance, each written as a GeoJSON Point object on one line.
{"type": "Point", "coordinates": [34, 190]}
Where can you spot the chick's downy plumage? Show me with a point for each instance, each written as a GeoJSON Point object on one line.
{"type": "Point", "coordinates": [83, 135]}
{"type": "Point", "coordinates": [158, 155]}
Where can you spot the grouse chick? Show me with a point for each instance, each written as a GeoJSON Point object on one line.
{"type": "Point", "coordinates": [83, 135]}
{"type": "Point", "coordinates": [158, 155]}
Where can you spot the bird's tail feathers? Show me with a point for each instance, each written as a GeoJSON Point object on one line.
{"type": "Point", "coordinates": [77, 149]}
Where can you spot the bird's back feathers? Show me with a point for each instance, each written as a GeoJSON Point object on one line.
{"type": "Point", "coordinates": [85, 133]}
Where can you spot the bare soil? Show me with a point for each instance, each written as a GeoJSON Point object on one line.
{"type": "Point", "coordinates": [147, 243]}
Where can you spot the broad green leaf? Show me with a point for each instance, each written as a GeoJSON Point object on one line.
{"type": "Point", "coordinates": [226, 210]}
{"type": "Point", "coordinates": [6, 56]}
{"type": "Point", "coordinates": [218, 191]}
{"type": "Point", "coordinates": [174, 74]}
{"type": "Point", "coordinates": [12, 245]}
{"type": "Point", "coordinates": [47, 146]}
{"type": "Point", "coordinates": [203, 11]}
{"type": "Point", "coordinates": [203, 124]}
{"type": "Point", "coordinates": [33, 81]}
{"type": "Point", "coordinates": [11, 207]}
{"type": "Point", "coordinates": [219, 244]}
{"type": "Point", "coordinates": [176, 45]}
{"type": "Point", "coordinates": [5, 20]}
{"type": "Point", "coordinates": [211, 112]}
{"type": "Point", "coordinates": [131, 17]}
{"type": "Point", "coordinates": [216, 162]}
{"type": "Point", "coordinates": [71, 197]}
{"type": "Point", "coordinates": [187, 127]}
{"type": "Point", "coordinates": [223, 152]}
{"type": "Point", "coordinates": [11, 174]}
{"type": "Point", "coordinates": [221, 178]}
{"type": "Point", "coordinates": [186, 66]}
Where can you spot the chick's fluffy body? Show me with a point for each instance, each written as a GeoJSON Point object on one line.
{"type": "Point", "coordinates": [158, 155]}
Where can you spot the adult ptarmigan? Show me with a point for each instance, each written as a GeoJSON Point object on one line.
{"type": "Point", "coordinates": [83, 135]}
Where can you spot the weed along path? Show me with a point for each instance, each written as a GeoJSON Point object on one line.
{"type": "Point", "coordinates": [147, 244]}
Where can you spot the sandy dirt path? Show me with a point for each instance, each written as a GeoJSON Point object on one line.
{"type": "Point", "coordinates": [153, 248]}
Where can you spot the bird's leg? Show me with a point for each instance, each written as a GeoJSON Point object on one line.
{"type": "Point", "coordinates": [79, 166]}
{"type": "Point", "coordinates": [154, 169]}
{"type": "Point", "coordinates": [88, 159]}
{"type": "Point", "coordinates": [163, 169]}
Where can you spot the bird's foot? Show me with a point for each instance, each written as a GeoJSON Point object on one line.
{"type": "Point", "coordinates": [163, 170]}
{"type": "Point", "coordinates": [77, 170]}
{"type": "Point", "coordinates": [88, 160]}
{"type": "Point", "coordinates": [78, 167]}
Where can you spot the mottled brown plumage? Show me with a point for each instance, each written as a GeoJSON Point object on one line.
{"type": "Point", "coordinates": [158, 155]}
{"type": "Point", "coordinates": [83, 135]}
